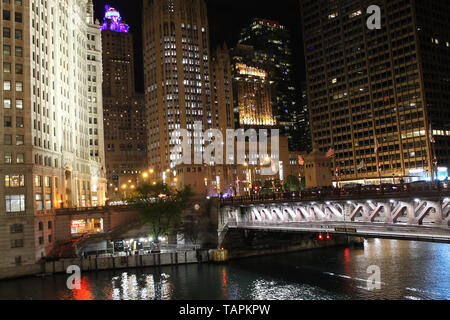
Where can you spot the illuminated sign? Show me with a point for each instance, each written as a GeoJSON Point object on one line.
{"type": "Point", "coordinates": [78, 223]}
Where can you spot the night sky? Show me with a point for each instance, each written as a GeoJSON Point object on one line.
{"type": "Point", "coordinates": [226, 20]}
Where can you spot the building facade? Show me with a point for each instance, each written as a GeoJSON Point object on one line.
{"type": "Point", "coordinates": [124, 111]}
{"type": "Point", "coordinates": [379, 97]}
{"type": "Point", "coordinates": [177, 62]}
{"type": "Point", "coordinates": [252, 89]}
{"type": "Point", "coordinates": [47, 161]}
{"type": "Point", "coordinates": [273, 51]}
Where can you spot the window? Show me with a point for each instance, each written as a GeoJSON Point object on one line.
{"type": "Point", "coordinates": [14, 181]}
{"type": "Point", "coordinates": [8, 158]}
{"type": "Point", "coordinates": [18, 34]}
{"type": "Point", "coordinates": [6, 32]}
{"type": "Point", "coordinates": [7, 122]}
{"type": "Point", "coordinates": [19, 69]}
{"type": "Point", "coordinates": [18, 2]}
{"type": "Point", "coordinates": [18, 17]}
{"type": "Point", "coordinates": [19, 51]}
{"type": "Point", "coordinates": [49, 238]}
{"type": "Point", "coordinates": [19, 122]}
{"type": "Point", "coordinates": [15, 203]}
{"type": "Point", "coordinates": [48, 182]}
{"type": "Point", "coordinates": [18, 260]}
{"type": "Point", "coordinates": [19, 104]}
{"type": "Point", "coordinates": [20, 158]}
{"type": "Point", "coordinates": [48, 202]}
{"type": "Point", "coordinates": [20, 140]}
{"type": "Point", "coordinates": [6, 50]}
{"type": "Point", "coordinates": [38, 181]}
{"type": "Point", "coordinates": [50, 225]}
{"type": "Point", "coordinates": [41, 240]}
{"type": "Point", "coordinates": [19, 86]}
{"type": "Point", "coordinates": [17, 243]}
{"type": "Point", "coordinates": [39, 202]}
{"type": "Point", "coordinates": [6, 67]}
{"type": "Point", "coordinates": [7, 85]}
{"type": "Point", "coordinates": [8, 139]}
{"type": "Point", "coordinates": [7, 103]}
{"type": "Point", "coordinates": [41, 226]}
{"type": "Point", "coordinates": [6, 15]}
{"type": "Point", "coordinates": [16, 228]}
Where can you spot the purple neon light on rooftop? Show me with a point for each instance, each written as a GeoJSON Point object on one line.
{"type": "Point", "coordinates": [113, 21]}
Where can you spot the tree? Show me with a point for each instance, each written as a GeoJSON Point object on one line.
{"type": "Point", "coordinates": [292, 184]}
{"type": "Point", "coordinates": [160, 207]}
{"type": "Point", "coordinates": [267, 188]}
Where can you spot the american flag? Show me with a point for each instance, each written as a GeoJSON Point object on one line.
{"type": "Point", "coordinates": [301, 161]}
{"type": "Point", "coordinates": [331, 153]}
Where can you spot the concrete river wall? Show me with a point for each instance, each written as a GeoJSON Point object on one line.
{"type": "Point", "coordinates": [106, 263]}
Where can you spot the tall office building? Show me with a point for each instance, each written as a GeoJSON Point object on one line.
{"type": "Point", "coordinates": [177, 81]}
{"type": "Point", "coordinates": [252, 90]}
{"type": "Point", "coordinates": [124, 110]}
{"type": "Point", "coordinates": [47, 160]}
{"type": "Point", "coordinates": [380, 97]}
{"type": "Point", "coordinates": [273, 50]}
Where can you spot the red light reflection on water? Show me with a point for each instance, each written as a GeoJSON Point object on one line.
{"type": "Point", "coordinates": [348, 286]}
{"type": "Point", "coordinates": [224, 283]}
{"type": "Point", "coordinates": [85, 292]}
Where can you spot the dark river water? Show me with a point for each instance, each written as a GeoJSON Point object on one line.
{"type": "Point", "coordinates": [408, 270]}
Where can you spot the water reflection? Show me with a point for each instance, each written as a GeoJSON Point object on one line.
{"type": "Point", "coordinates": [85, 291]}
{"type": "Point", "coordinates": [129, 286]}
{"type": "Point", "coordinates": [409, 270]}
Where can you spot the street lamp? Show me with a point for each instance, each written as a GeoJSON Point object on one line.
{"type": "Point", "coordinates": [124, 188]}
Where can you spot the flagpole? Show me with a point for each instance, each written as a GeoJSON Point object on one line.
{"type": "Point", "coordinates": [378, 160]}
{"type": "Point", "coordinates": [434, 162]}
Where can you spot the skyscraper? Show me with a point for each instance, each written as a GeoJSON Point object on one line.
{"type": "Point", "coordinates": [177, 81]}
{"type": "Point", "coordinates": [380, 98]}
{"type": "Point", "coordinates": [273, 50]}
{"type": "Point", "coordinates": [124, 109]}
{"type": "Point", "coordinates": [50, 157]}
{"type": "Point", "coordinates": [252, 89]}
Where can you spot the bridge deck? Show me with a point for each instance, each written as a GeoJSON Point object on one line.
{"type": "Point", "coordinates": [381, 230]}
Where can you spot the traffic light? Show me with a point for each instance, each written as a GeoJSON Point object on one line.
{"type": "Point", "coordinates": [320, 237]}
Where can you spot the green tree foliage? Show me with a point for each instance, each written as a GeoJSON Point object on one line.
{"type": "Point", "coordinates": [292, 184]}
{"type": "Point", "coordinates": [160, 207]}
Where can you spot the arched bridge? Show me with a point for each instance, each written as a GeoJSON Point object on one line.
{"type": "Point", "coordinates": [423, 216]}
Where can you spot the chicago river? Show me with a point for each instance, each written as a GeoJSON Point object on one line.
{"type": "Point", "coordinates": [408, 270]}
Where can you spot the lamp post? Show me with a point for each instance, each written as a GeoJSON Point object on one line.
{"type": "Point", "coordinates": [124, 188]}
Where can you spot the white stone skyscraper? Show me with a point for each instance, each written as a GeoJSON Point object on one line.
{"type": "Point", "coordinates": [51, 130]}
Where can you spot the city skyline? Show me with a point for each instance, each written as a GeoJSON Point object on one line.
{"type": "Point", "coordinates": [224, 149]}
{"type": "Point", "coordinates": [225, 29]}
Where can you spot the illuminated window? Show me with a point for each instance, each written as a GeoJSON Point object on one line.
{"type": "Point", "coordinates": [39, 202]}
{"type": "Point", "coordinates": [7, 85]}
{"type": "Point", "coordinates": [15, 203]}
{"type": "Point", "coordinates": [14, 181]}
{"type": "Point", "coordinates": [19, 86]}
{"type": "Point", "coordinates": [38, 181]}
{"type": "Point", "coordinates": [19, 104]}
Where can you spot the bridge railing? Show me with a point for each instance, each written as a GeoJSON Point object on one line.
{"type": "Point", "coordinates": [88, 209]}
{"type": "Point", "coordinates": [429, 190]}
